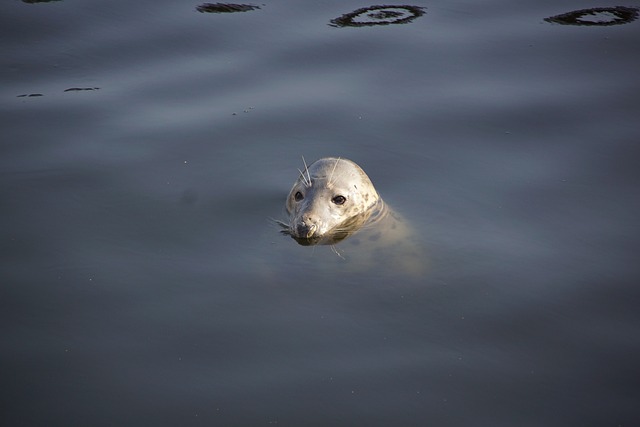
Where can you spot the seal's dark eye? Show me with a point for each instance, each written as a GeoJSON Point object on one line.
{"type": "Point", "coordinates": [298, 196]}
{"type": "Point", "coordinates": [339, 200]}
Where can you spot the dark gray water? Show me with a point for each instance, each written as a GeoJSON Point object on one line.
{"type": "Point", "coordinates": [143, 282]}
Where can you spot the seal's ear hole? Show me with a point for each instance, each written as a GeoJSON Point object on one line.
{"type": "Point", "coordinates": [298, 196]}
{"type": "Point", "coordinates": [339, 200]}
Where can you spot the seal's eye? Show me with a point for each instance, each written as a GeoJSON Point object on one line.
{"type": "Point", "coordinates": [339, 200]}
{"type": "Point", "coordinates": [298, 196]}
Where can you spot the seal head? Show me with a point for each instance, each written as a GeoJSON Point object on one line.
{"type": "Point", "coordinates": [331, 199]}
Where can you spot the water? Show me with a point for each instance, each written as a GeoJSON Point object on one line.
{"type": "Point", "coordinates": [144, 283]}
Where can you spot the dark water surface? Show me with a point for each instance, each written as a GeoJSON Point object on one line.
{"type": "Point", "coordinates": [143, 282]}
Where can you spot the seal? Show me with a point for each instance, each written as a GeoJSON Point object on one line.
{"type": "Point", "coordinates": [331, 199]}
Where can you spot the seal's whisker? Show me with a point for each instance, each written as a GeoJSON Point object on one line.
{"type": "Point", "coordinates": [304, 178]}
{"type": "Point", "coordinates": [281, 224]}
{"type": "Point", "coordinates": [333, 170]}
{"type": "Point", "coordinates": [335, 251]}
{"type": "Point", "coordinates": [306, 168]}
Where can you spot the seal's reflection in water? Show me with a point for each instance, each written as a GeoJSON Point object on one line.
{"type": "Point", "coordinates": [333, 200]}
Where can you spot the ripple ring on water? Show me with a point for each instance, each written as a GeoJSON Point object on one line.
{"type": "Point", "coordinates": [378, 15]}
{"type": "Point", "coordinates": [597, 16]}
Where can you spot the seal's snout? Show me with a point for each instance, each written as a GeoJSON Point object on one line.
{"type": "Point", "coordinates": [311, 230]}
{"type": "Point", "coordinates": [306, 228]}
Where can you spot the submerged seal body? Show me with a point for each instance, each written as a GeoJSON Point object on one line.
{"type": "Point", "coordinates": [331, 199]}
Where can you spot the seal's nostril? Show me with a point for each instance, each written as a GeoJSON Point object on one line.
{"type": "Point", "coordinates": [311, 231]}
{"type": "Point", "coordinates": [304, 229]}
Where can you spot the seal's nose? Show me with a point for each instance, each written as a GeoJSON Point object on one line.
{"type": "Point", "coordinates": [307, 228]}
{"type": "Point", "coordinates": [311, 230]}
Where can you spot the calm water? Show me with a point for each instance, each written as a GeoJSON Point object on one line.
{"type": "Point", "coordinates": [144, 283]}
